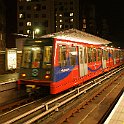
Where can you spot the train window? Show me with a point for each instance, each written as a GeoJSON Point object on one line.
{"type": "Point", "coordinates": [99, 54]}
{"type": "Point", "coordinates": [94, 54]}
{"type": "Point", "coordinates": [36, 52]}
{"type": "Point", "coordinates": [62, 55]}
{"type": "Point", "coordinates": [72, 55]}
{"type": "Point", "coordinates": [90, 55]}
{"type": "Point", "coordinates": [85, 55]}
{"type": "Point", "coordinates": [81, 55]}
{"type": "Point", "coordinates": [111, 53]}
{"type": "Point", "coordinates": [26, 58]}
{"type": "Point", "coordinates": [47, 57]}
{"type": "Point", "coordinates": [105, 55]}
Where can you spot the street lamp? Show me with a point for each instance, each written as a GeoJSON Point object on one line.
{"type": "Point", "coordinates": [36, 31]}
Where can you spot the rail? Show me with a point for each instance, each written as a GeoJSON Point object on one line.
{"type": "Point", "coordinates": [55, 104]}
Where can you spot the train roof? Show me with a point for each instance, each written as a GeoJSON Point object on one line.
{"type": "Point", "coordinates": [78, 36]}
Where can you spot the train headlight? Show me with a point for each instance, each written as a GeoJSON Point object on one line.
{"type": "Point", "coordinates": [47, 76]}
{"type": "Point", "coordinates": [23, 75]}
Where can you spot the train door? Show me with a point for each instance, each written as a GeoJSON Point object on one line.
{"type": "Point", "coordinates": [104, 59]}
{"type": "Point", "coordinates": [73, 62]}
{"type": "Point", "coordinates": [114, 58]}
{"type": "Point", "coordinates": [83, 67]}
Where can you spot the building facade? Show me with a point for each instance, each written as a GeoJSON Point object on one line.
{"type": "Point", "coordinates": [2, 36]}
{"type": "Point", "coordinates": [2, 26]}
{"type": "Point", "coordinates": [47, 15]}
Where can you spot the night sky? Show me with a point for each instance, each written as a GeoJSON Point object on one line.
{"type": "Point", "coordinates": [113, 11]}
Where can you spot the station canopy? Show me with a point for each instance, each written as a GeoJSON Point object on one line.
{"type": "Point", "coordinates": [78, 36]}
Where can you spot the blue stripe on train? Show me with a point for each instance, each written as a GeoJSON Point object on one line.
{"type": "Point", "coordinates": [93, 70]}
{"type": "Point", "coordinates": [60, 73]}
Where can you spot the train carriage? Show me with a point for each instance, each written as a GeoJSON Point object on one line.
{"type": "Point", "coordinates": [62, 60]}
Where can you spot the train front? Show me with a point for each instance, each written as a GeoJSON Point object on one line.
{"type": "Point", "coordinates": [36, 65]}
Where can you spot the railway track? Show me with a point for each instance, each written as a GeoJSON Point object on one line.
{"type": "Point", "coordinates": [38, 111]}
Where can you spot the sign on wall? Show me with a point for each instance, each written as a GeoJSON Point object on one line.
{"type": "Point", "coordinates": [11, 59]}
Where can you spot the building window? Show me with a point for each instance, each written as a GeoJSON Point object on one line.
{"type": "Point", "coordinates": [43, 15]}
{"type": "Point", "coordinates": [28, 31]}
{"type": "Point", "coordinates": [28, 23]}
{"type": "Point", "coordinates": [84, 20]}
{"type": "Point", "coordinates": [45, 23]}
{"type": "Point", "coordinates": [66, 26]}
{"type": "Point", "coordinates": [36, 23]}
{"type": "Point", "coordinates": [71, 26]}
{"type": "Point", "coordinates": [21, 0]}
{"type": "Point", "coordinates": [36, 15]}
{"type": "Point", "coordinates": [44, 7]}
{"type": "Point", "coordinates": [28, 7]}
{"type": "Point", "coordinates": [28, 15]}
{"type": "Point", "coordinates": [20, 7]}
{"type": "Point", "coordinates": [60, 20]}
{"type": "Point", "coordinates": [84, 25]}
{"type": "Point", "coordinates": [60, 26]}
{"type": "Point", "coordinates": [71, 2]}
{"type": "Point", "coordinates": [71, 14]}
{"type": "Point", "coordinates": [20, 23]}
{"type": "Point", "coordinates": [60, 15]}
{"type": "Point", "coordinates": [21, 16]}
{"type": "Point", "coordinates": [37, 7]}
{"type": "Point", "coordinates": [71, 20]}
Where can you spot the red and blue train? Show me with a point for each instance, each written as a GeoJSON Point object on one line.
{"type": "Point", "coordinates": [62, 60]}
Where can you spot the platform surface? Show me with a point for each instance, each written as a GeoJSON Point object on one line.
{"type": "Point", "coordinates": [117, 114]}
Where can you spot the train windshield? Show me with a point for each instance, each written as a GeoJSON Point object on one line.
{"type": "Point", "coordinates": [36, 57]}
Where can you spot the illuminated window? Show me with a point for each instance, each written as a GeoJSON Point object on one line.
{"type": "Point", "coordinates": [28, 0]}
{"type": "Point", "coordinates": [28, 31]}
{"type": "Point", "coordinates": [60, 26]}
{"type": "Point", "coordinates": [21, 16]}
{"type": "Point", "coordinates": [47, 57]}
{"type": "Point", "coordinates": [28, 23]}
{"type": "Point", "coordinates": [72, 55]}
{"type": "Point", "coordinates": [84, 20]}
{"type": "Point", "coordinates": [60, 20]}
{"type": "Point", "coordinates": [1, 36]}
{"type": "Point", "coordinates": [84, 26]}
{"type": "Point", "coordinates": [71, 14]}
{"type": "Point", "coordinates": [60, 15]}
{"type": "Point", "coordinates": [71, 20]}
{"type": "Point", "coordinates": [62, 55]}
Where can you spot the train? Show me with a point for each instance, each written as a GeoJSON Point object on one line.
{"type": "Point", "coordinates": [59, 61]}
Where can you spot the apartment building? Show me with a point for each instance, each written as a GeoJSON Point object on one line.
{"type": "Point", "coordinates": [46, 15]}
{"type": "Point", "coordinates": [2, 26]}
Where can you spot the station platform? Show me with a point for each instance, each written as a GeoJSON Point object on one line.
{"type": "Point", "coordinates": [8, 77]}
{"type": "Point", "coordinates": [117, 114]}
